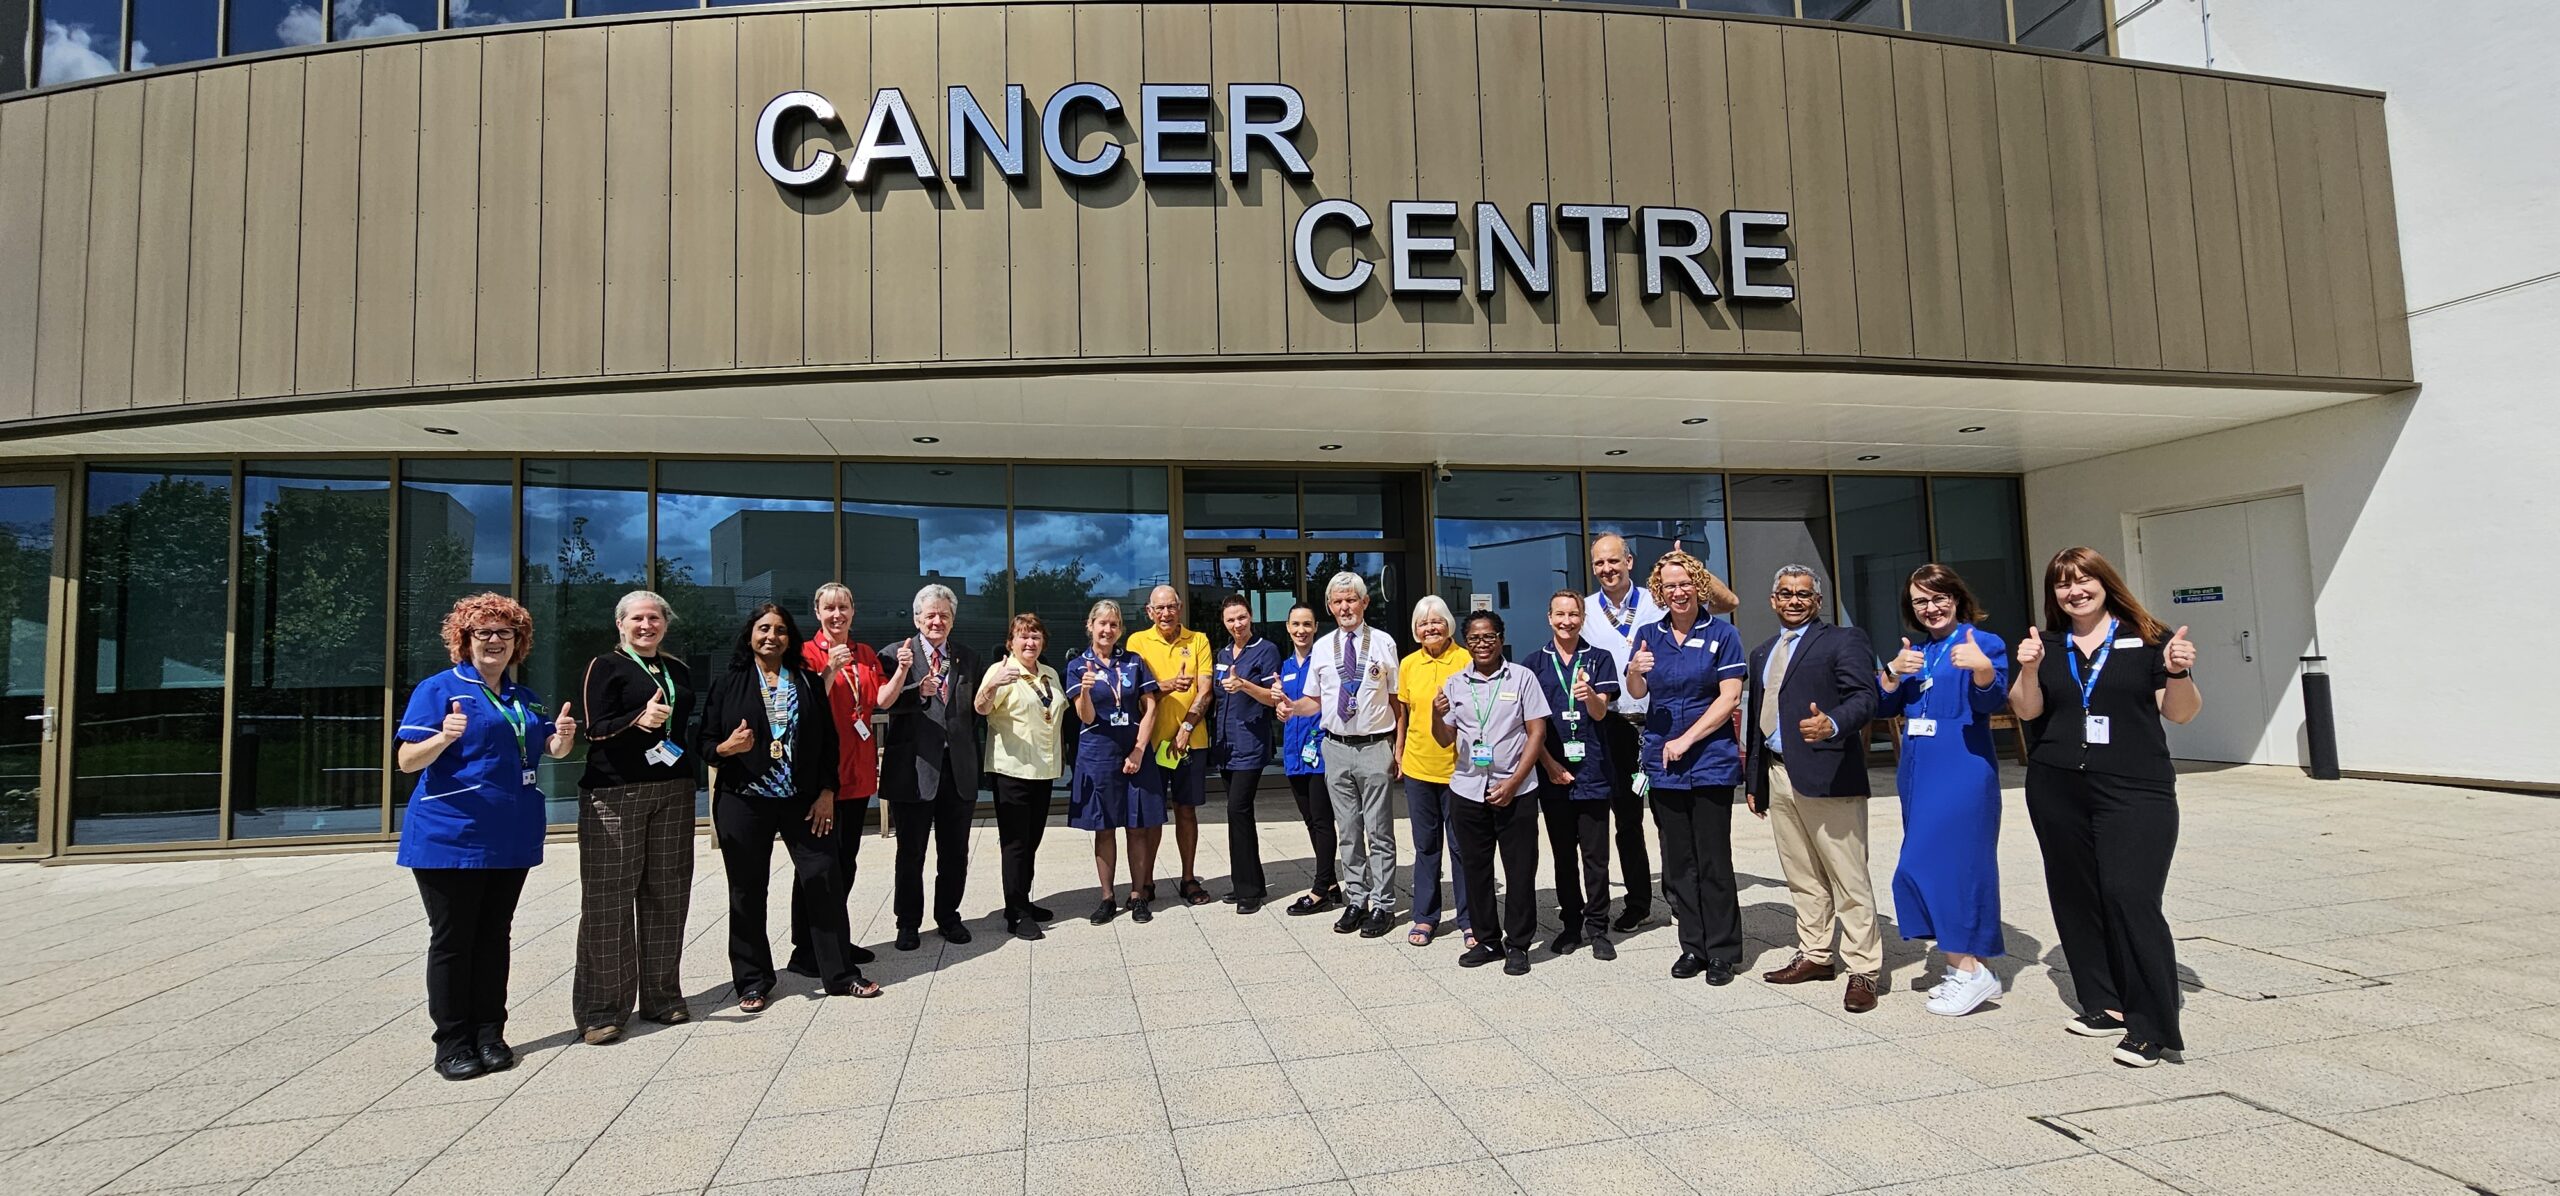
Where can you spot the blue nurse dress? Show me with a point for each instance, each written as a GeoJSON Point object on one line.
{"type": "Point", "coordinates": [1301, 735]}
{"type": "Point", "coordinates": [1102, 798]}
{"type": "Point", "coordinates": [1947, 884]}
{"type": "Point", "coordinates": [1687, 676]}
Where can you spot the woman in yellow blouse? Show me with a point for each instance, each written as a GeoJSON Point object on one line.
{"type": "Point", "coordinates": [1023, 703]}
{"type": "Point", "coordinates": [1427, 765]}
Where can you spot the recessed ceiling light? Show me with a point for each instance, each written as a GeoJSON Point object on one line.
{"type": "Point", "coordinates": [928, 440]}
{"type": "Point", "coordinates": [1871, 457]}
{"type": "Point", "coordinates": [1328, 448]}
{"type": "Point", "coordinates": [1695, 420]}
{"type": "Point", "coordinates": [444, 432]}
{"type": "Point", "coordinates": [942, 473]}
{"type": "Point", "coordinates": [1969, 431]}
{"type": "Point", "coordinates": [1555, 477]}
{"type": "Point", "coordinates": [1615, 453]}
{"type": "Point", "coordinates": [1782, 481]}
{"type": "Point", "coordinates": [1504, 498]}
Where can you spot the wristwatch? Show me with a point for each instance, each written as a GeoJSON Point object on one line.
{"type": "Point", "coordinates": [2182, 674]}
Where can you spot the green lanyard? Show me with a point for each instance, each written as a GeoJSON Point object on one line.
{"type": "Point", "coordinates": [1572, 713]}
{"type": "Point", "coordinates": [1475, 700]}
{"type": "Point", "coordinates": [658, 674]}
{"type": "Point", "coordinates": [517, 719]}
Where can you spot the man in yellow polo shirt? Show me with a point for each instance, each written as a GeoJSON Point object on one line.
{"type": "Point", "coordinates": [1180, 660]}
{"type": "Point", "coordinates": [1428, 764]}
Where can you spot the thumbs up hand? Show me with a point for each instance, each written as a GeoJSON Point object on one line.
{"type": "Point", "coordinates": [738, 741]}
{"type": "Point", "coordinates": [1907, 661]}
{"type": "Point", "coordinates": [2031, 649]}
{"type": "Point", "coordinates": [656, 713]}
{"type": "Point", "coordinates": [455, 722]}
{"type": "Point", "coordinates": [1642, 662]}
{"type": "Point", "coordinates": [2180, 652]}
{"type": "Point", "coordinates": [1970, 657]}
{"type": "Point", "coordinates": [1815, 726]}
{"type": "Point", "coordinates": [567, 723]}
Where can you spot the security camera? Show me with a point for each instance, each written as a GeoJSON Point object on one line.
{"type": "Point", "coordinates": [1440, 470]}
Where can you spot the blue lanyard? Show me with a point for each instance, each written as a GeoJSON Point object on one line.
{"type": "Point", "coordinates": [2097, 663]}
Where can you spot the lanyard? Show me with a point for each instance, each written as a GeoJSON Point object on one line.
{"type": "Point", "coordinates": [1110, 669]}
{"type": "Point", "coordinates": [1475, 699]}
{"type": "Point", "coordinates": [1040, 688]}
{"type": "Point", "coordinates": [2097, 664]}
{"type": "Point", "coordinates": [1564, 685]}
{"type": "Point", "coordinates": [517, 720]}
{"type": "Point", "coordinates": [1610, 611]}
{"type": "Point", "coordinates": [658, 674]}
{"type": "Point", "coordinates": [790, 703]}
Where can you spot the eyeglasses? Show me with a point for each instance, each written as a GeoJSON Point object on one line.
{"type": "Point", "coordinates": [1678, 587]}
{"type": "Point", "coordinates": [493, 635]}
{"type": "Point", "coordinates": [1795, 595]}
{"type": "Point", "coordinates": [1483, 641]}
{"type": "Point", "coordinates": [1933, 602]}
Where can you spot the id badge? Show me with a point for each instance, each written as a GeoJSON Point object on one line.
{"type": "Point", "coordinates": [1572, 715]}
{"type": "Point", "coordinates": [1222, 670]}
{"type": "Point", "coordinates": [1642, 784]}
{"type": "Point", "coordinates": [1309, 755]}
{"type": "Point", "coordinates": [2098, 730]}
{"type": "Point", "coordinates": [1920, 726]}
{"type": "Point", "coordinates": [529, 778]}
{"type": "Point", "coordinates": [1119, 718]}
{"type": "Point", "coordinates": [862, 729]}
{"type": "Point", "coordinates": [662, 753]}
{"type": "Point", "coordinates": [1573, 751]}
{"type": "Point", "coordinates": [1481, 755]}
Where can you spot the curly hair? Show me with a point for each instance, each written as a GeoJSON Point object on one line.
{"type": "Point", "coordinates": [1697, 572]}
{"type": "Point", "coordinates": [487, 610]}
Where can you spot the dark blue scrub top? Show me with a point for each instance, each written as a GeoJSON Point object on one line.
{"type": "Point", "coordinates": [1243, 735]}
{"type": "Point", "coordinates": [1591, 777]}
{"type": "Point", "coordinates": [1684, 682]}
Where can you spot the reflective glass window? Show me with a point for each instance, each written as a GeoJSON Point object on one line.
{"type": "Point", "coordinates": [78, 39]}
{"type": "Point", "coordinates": [457, 537]}
{"type": "Point", "coordinates": [1269, 581]}
{"type": "Point", "coordinates": [586, 544]}
{"type": "Point", "coordinates": [355, 20]}
{"type": "Point", "coordinates": [732, 534]}
{"type": "Point", "coordinates": [908, 525]}
{"type": "Point", "coordinates": [1887, 13]}
{"type": "Point", "coordinates": [26, 584]}
{"type": "Point", "coordinates": [147, 664]}
{"type": "Point", "coordinates": [599, 8]}
{"type": "Point", "coordinates": [1083, 533]}
{"type": "Point", "coordinates": [2079, 26]}
{"type": "Point", "coordinates": [15, 45]}
{"type": "Point", "coordinates": [1239, 504]}
{"type": "Point", "coordinates": [1772, 8]}
{"type": "Point", "coordinates": [467, 14]}
{"type": "Point", "coordinates": [273, 24]}
{"type": "Point", "coordinates": [167, 32]}
{"type": "Point", "coordinates": [1983, 20]}
{"type": "Point", "coordinates": [1390, 599]}
{"type": "Point", "coordinates": [1981, 537]}
{"type": "Point", "coordinates": [1505, 539]}
{"type": "Point", "coordinates": [1884, 535]}
{"type": "Point", "coordinates": [1778, 520]}
{"type": "Point", "coordinates": [1356, 505]}
{"type": "Point", "coordinates": [307, 724]}
{"type": "Point", "coordinates": [1653, 511]}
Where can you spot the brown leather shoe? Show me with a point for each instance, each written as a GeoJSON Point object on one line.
{"type": "Point", "coordinates": [1861, 995]}
{"type": "Point", "coordinates": [1798, 971]}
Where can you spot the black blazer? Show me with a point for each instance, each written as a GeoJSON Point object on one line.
{"type": "Point", "coordinates": [1832, 668]}
{"type": "Point", "coordinates": [928, 740]}
{"type": "Point", "coordinates": [738, 697]}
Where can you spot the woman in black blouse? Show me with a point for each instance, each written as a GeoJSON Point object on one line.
{"type": "Point", "coordinates": [2103, 794]}
{"type": "Point", "coordinates": [635, 827]}
{"type": "Point", "coordinates": [767, 734]}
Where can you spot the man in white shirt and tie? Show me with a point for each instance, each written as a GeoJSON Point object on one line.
{"type": "Point", "coordinates": [1351, 676]}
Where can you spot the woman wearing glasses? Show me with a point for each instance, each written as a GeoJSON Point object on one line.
{"type": "Point", "coordinates": [474, 828]}
{"type": "Point", "coordinates": [1114, 790]}
{"type": "Point", "coordinates": [1690, 666]}
{"type": "Point", "coordinates": [1023, 703]}
{"type": "Point", "coordinates": [1945, 689]}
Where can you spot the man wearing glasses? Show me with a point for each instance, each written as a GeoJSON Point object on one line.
{"type": "Point", "coordinates": [1812, 693]}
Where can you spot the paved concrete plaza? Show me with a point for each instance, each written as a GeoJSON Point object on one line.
{"type": "Point", "coordinates": [2372, 1009]}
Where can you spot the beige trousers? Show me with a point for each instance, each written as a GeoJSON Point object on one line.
{"type": "Point", "coordinates": [1822, 846]}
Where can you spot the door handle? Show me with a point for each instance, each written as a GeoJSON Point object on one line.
{"type": "Point", "coordinates": [2245, 654]}
{"type": "Point", "coordinates": [47, 719]}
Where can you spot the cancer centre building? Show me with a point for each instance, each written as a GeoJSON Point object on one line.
{"type": "Point", "coordinates": [318, 314]}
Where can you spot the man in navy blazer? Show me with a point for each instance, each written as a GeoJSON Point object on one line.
{"type": "Point", "coordinates": [1812, 690]}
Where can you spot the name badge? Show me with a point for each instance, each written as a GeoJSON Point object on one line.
{"type": "Point", "coordinates": [1222, 670]}
{"type": "Point", "coordinates": [1695, 643]}
{"type": "Point", "coordinates": [663, 753]}
{"type": "Point", "coordinates": [1481, 755]}
{"type": "Point", "coordinates": [1308, 754]}
{"type": "Point", "coordinates": [2097, 731]}
{"type": "Point", "coordinates": [1507, 696]}
{"type": "Point", "coordinates": [1573, 751]}
{"type": "Point", "coordinates": [862, 729]}
{"type": "Point", "coordinates": [2129, 641]}
{"type": "Point", "coordinates": [1573, 714]}
{"type": "Point", "coordinates": [529, 778]}
{"type": "Point", "coordinates": [1119, 718]}
{"type": "Point", "coordinates": [1920, 726]}
{"type": "Point", "coordinates": [1926, 682]}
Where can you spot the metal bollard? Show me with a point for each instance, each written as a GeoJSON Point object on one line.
{"type": "Point", "coordinates": [2319, 721]}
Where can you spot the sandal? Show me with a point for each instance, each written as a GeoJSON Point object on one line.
{"type": "Point", "coordinates": [751, 1003]}
{"type": "Point", "coordinates": [1421, 934]}
{"type": "Point", "coordinates": [859, 988]}
{"type": "Point", "coordinates": [1193, 891]}
{"type": "Point", "coordinates": [1470, 938]}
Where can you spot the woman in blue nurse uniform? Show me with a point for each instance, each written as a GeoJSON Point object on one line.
{"type": "Point", "coordinates": [1302, 759]}
{"type": "Point", "coordinates": [1114, 790]}
{"type": "Point", "coordinates": [1946, 688]}
{"type": "Point", "coordinates": [1691, 665]}
{"type": "Point", "coordinates": [474, 827]}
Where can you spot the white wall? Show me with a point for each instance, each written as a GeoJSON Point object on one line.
{"type": "Point", "coordinates": [2433, 529]}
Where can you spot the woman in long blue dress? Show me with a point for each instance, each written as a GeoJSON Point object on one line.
{"type": "Point", "coordinates": [1113, 789]}
{"type": "Point", "coordinates": [1946, 688]}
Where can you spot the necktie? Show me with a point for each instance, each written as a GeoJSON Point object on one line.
{"type": "Point", "coordinates": [1348, 693]}
{"type": "Point", "coordinates": [1778, 659]}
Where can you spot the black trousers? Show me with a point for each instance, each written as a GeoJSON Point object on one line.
{"type": "Point", "coordinates": [746, 828]}
{"type": "Point", "coordinates": [1315, 808]}
{"type": "Point", "coordinates": [1482, 831]}
{"type": "Point", "coordinates": [1626, 807]}
{"type": "Point", "coordinates": [469, 914]}
{"type": "Point", "coordinates": [845, 842]}
{"type": "Point", "coordinates": [1697, 869]}
{"type": "Point", "coordinates": [2107, 842]}
{"type": "Point", "coordinates": [1022, 820]}
{"type": "Point", "coordinates": [1578, 835]}
{"type": "Point", "coordinates": [944, 822]}
{"type": "Point", "coordinates": [1244, 835]}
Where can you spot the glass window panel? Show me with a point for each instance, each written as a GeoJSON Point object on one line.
{"type": "Point", "coordinates": [908, 524]}
{"type": "Point", "coordinates": [26, 577]}
{"type": "Point", "coordinates": [1980, 537]}
{"type": "Point", "coordinates": [1390, 600]}
{"type": "Point", "coordinates": [1351, 505]}
{"type": "Point", "coordinates": [586, 543]}
{"type": "Point", "coordinates": [469, 13]}
{"type": "Point", "coordinates": [1887, 13]}
{"type": "Point", "coordinates": [1239, 505]}
{"type": "Point", "coordinates": [1269, 581]}
{"type": "Point", "coordinates": [2079, 26]}
{"type": "Point", "coordinates": [1504, 539]}
{"type": "Point", "coordinates": [83, 39]}
{"type": "Point", "coordinates": [1654, 511]}
{"type": "Point", "coordinates": [166, 32]}
{"type": "Point", "coordinates": [599, 8]}
{"type": "Point", "coordinates": [147, 667]}
{"type": "Point", "coordinates": [355, 20]}
{"type": "Point", "coordinates": [457, 537]}
{"type": "Point", "coordinates": [15, 45]}
{"type": "Point", "coordinates": [1884, 535]}
{"type": "Point", "coordinates": [307, 729]}
{"type": "Point", "coordinates": [274, 24]}
{"type": "Point", "coordinates": [1985, 20]}
{"type": "Point", "coordinates": [1778, 520]}
{"type": "Point", "coordinates": [732, 534]}
{"type": "Point", "coordinates": [1083, 533]}
{"type": "Point", "coordinates": [1772, 8]}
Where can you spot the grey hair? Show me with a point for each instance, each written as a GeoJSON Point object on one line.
{"type": "Point", "coordinates": [1096, 611]}
{"type": "Point", "coordinates": [623, 605]}
{"type": "Point", "coordinates": [1803, 571]}
{"type": "Point", "coordinates": [1347, 580]}
{"type": "Point", "coordinates": [833, 587]}
{"type": "Point", "coordinates": [933, 593]}
{"type": "Point", "coordinates": [1433, 605]}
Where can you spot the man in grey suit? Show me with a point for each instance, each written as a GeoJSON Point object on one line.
{"type": "Point", "coordinates": [929, 763]}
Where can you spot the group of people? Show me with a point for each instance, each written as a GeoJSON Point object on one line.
{"type": "Point", "coordinates": [1639, 695]}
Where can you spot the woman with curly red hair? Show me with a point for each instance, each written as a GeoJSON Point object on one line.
{"type": "Point", "coordinates": [474, 828]}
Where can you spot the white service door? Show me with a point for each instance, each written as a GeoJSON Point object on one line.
{"type": "Point", "coordinates": [2238, 578]}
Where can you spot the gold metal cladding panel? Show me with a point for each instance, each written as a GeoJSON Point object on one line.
{"type": "Point", "coordinates": [574, 203]}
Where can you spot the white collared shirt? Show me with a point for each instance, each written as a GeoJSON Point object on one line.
{"type": "Point", "coordinates": [1612, 630]}
{"type": "Point", "coordinates": [1372, 713]}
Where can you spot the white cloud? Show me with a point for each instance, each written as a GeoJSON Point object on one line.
{"type": "Point", "coordinates": [73, 53]}
{"type": "Point", "coordinates": [358, 19]}
{"type": "Point", "coordinates": [300, 27]}
{"type": "Point", "coordinates": [142, 55]}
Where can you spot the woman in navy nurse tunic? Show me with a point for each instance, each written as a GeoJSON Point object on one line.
{"type": "Point", "coordinates": [474, 827]}
{"type": "Point", "coordinates": [1113, 789]}
{"type": "Point", "coordinates": [1691, 665]}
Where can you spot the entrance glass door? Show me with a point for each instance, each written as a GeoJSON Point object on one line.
{"type": "Point", "coordinates": [30, 594]}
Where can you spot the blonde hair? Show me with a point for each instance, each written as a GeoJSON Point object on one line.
{"type": "Point", "coordinates": [1433, 605]}
{"type": "Point", "coordinates": [1697, 572]}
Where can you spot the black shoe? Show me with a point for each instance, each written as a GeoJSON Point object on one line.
{"type": "Point", "coordinates": [1039, 913]}
{"type": "Point", "coordinates": [1349, 921]}
{"type": "Point", "coordinates": [1375, 925]}
{"type": "Point", "coordinates": [909, 940]}
{"type": "Point", "coordinates": [1248, 905]}
{"type": "Point", "coordinates": [2094, 1024]}
{"type": "Point", "coordinates": [1602, 949]}
{"type": "Point", "coordinates": [863, 955]}
{"type": "Point", "coordinates": [1103, 914]}
{"type": "Point", "coordinates": [1029, 931]}
{"type": "Point", "coordinates": [1566, 943]}
{"type": "Point", "coordinates": [1629, 919]}
{"type": "Point", "coordinates": [1479, 955]}
{"type": "Point", "coordinates": [799, 965]}
{"type": "Point", "coordinates": [461, 1066]}
{"type": "Point", "coordinates": [497, 1056]}
{"type": "Point", "coordinates": [1313, 903]}
{"type": "Point", "coordinates": [2138, 1054]}
{"type": "Point", "coordinates": [1719, 972]}
{"type": "Point", "coordinates": [1140, 910]}
{"type": "Point", "coordinates": [953, 931]}
{"type": "Point", "coordinates": [1687, 966]}
{"type": "Point", "coordinates": [1515, 963]}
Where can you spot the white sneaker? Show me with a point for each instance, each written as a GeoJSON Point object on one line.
{"type": "Point", "coordinates": [1963, 992]}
